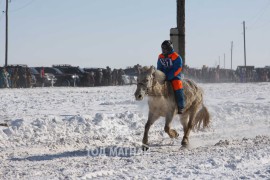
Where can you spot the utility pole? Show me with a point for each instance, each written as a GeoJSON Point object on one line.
{"type": "Point", "coordinates": [224, 60]}
{"type": "Point", "coordinates": [219, 61]}
{"type": "Point", "coordinates": [6, 56]}
{"type": "Point", "coordinates": [231, 52]}
{"type": "Point", "coordinates": [245, 56]}
{"type": "Point", "coordinates": [181, 29]}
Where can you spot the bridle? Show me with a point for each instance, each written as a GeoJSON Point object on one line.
{"type": "Point", "coordinates": [149, 90]}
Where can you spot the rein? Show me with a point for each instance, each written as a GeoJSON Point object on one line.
{"type": "Point", "coordinates": [155, 90]}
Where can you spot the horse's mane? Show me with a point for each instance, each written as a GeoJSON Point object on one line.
{"type": "Point", "coordinates": [159, 76]}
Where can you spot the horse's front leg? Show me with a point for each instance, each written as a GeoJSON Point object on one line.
{"type": "Point", "coordinates": [171, 132]}
{"type": "Point", "coordinates": [151, 119]}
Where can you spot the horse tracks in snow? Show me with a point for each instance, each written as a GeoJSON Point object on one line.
{"type": "Point", "coordinates": [86, 133]}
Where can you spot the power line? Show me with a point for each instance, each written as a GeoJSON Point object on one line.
{"type": "Point", "coordinates": [26, 5]}
{"type": "Point", "coordinates": [18, 9]}
{"type": "Point", "coordinates": [259, 15]}
{"type": "Point", "coordinates": [260, 12]}
{"type": "Point", "coordinates": [259, 27]}
{"type": "Point", "coordinates": [2, 15]}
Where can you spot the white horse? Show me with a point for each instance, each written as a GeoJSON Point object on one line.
{"type": "Point", "coordinates": [162, 103]}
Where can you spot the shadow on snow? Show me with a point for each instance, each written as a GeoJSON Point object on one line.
{"type": "Point", "coordinates": [112, 151]}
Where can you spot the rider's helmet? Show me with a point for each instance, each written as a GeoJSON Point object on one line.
{"type": "Point", "coordinates": [166, 47]}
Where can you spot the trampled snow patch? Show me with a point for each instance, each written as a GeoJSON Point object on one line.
{"type": "Point", "coordinates": [54, 129]}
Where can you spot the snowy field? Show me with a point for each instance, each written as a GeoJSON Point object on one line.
{"type": "Point", "coordinates": [85, 133]}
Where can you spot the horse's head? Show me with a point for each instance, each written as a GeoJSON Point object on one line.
{"type": "Point", "coordinates": [144, 82]}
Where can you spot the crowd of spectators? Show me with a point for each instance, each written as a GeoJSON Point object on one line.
{"type": "Point", "coordinates": [219, 75]}
{"type": "Point", "coordinates": [15, 77]}
{"type": "Point", "coordinates": [23, 77]}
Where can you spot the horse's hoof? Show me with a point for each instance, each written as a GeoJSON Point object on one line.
{"type": "Point", "coordinates": [145, 147]}
{"type": "Point", "coordinates": [184, 142]}
{"type": "Point", "coordinates": [173, 134]}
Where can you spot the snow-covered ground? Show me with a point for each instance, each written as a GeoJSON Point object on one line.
{"type": "Point", "coordinates": [84, 133]}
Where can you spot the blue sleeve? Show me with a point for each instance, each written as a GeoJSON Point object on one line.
{"type": "Point", "coordinates": [176, 69]}
{"type": "Point", "coordinates": [159, 65]}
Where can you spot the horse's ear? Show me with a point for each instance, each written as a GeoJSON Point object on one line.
{"type": "Point", "coordinates": [144, 69]}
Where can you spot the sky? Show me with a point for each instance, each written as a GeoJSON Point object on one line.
{"type": "Point", "coordinates": [122, 33]}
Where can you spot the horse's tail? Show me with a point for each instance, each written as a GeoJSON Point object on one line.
{"type": "Point", "coordinates": [202, 116]}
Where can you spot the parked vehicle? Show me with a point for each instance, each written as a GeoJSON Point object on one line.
{"type": "Point", "coordinates": [36, 74]}
{"type": "Point", "coordinates": [62, 79]}
{"type": "Point", "coordinates": [79, 76]}
{"type": "Point", "coordinates": [95, 70]}
{"type": "Point", "coordinates": [49, 78]}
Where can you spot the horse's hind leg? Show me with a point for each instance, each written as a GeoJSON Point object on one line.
{"type": "Point", "coordinates": [184, 121]}
{"type": "Point", "coordinates": [189, 126]}
{"type": "Point", "coordinates": [151, 119]}
{"type": "Point", "coordinates": [171, 132]}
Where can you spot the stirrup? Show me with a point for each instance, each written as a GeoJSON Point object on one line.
{"type": "Point", "coordinates": [180, 110]}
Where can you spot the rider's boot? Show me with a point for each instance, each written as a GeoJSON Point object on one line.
{"type": "Point", "coordinates": [180, 100]}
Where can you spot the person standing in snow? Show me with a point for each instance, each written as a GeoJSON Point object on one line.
{"type": "Point", "coordinates": [28, 78]}
{"type": "Point", "coordinates": [114, 77]}
{"type": "Point", "coordinates": [15, 78]}
{"type": "Point", "coordinates": [98, 77]}
{"type": "Point", "coordinates": [91, 79]}
{"type": "Point", "coordinates": [109, 74]}
{"type": "Point", "coordinates": [120, 74]}
{"type": "Point", "coordinates": [42, 76]}
{"type": "Point", "coordinates": [170, 63]}
{"type": "Point", "coordinates": [5, 78]}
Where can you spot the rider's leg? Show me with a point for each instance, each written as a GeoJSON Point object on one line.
{"type": "Point", "coordinates": [179, 95]}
